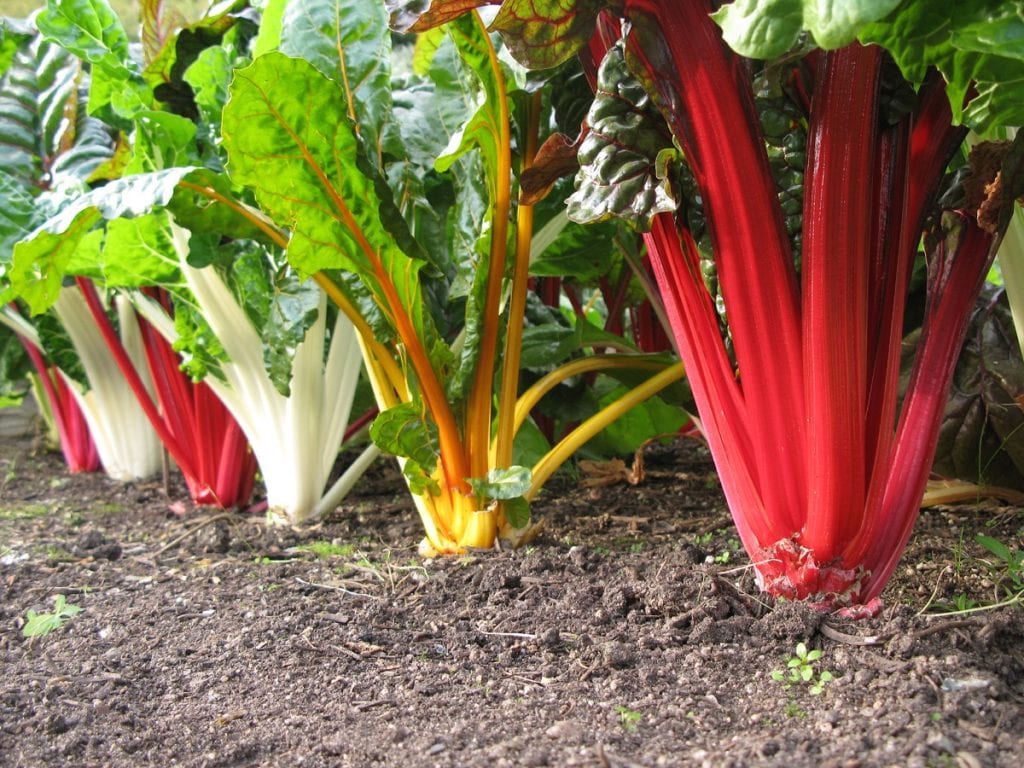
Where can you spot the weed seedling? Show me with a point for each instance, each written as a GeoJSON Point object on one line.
{"type": "Point", "coordinates": [628, 718]}
{"type": "Point", "coordinates": [800, 671]}
{"type": "Point", "coordinates": [40, 624]}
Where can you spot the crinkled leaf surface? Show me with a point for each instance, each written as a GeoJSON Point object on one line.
{"type": "Point", "coordinates": [41, 260]}
{"type": "Point", "coordinates": [622, 159]}
{"type": "Point", "coordinates": [293, 309]}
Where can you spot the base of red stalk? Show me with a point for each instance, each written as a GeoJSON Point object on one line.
{"type": "Point", "coordinates": [790, 571]}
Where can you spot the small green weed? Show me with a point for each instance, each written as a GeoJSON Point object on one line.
{"type": "Point", "coordinates": [792, 709]}
{"type": "Point", "coordinates": [23, 512]}
{"type": "Point", "coordinates": [41, 624]}
{"type": "Point", "coordinates": [1007, 569]}
{"type": "Point", "coordinates": [325, 549]}
{"type": "Point", "coordinates": [628, 718]}
{"type": "Point", "coordinates": [800, 671]}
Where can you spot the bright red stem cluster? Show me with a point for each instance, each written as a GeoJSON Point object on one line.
{"type": "Point", "coordinates": [76, 443]}
{"type": "Point", "coordinates": [824, 478]}
{"type": "Point", "coordinates": [199, 433]}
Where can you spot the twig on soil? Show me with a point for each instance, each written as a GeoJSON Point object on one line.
{"type": "Point", "coordinates": [520, 635]}
{"type": "Point", "coordinates": [842, 637]}
{"type": "Point", "coordinates": [197, 527]}
{"type": "Point", "coordinates": [943, 627]}
{"type": "Point", "coordinates": [335, 588]}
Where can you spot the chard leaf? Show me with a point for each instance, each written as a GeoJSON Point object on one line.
{"type": "Point", "coordinates": [17, 213]}
{"type": "Point", "coordinates": [92, 31]}
{"type": "Point", "coordinates": [975, 44]}
{"type": "Point", "coordinates": [421, 15]}
{"type": "Point", "coordinates": [584, 253]}
{"type": "Point", "coordinates": [766, 29]}
{"type": "Point", "coordinates": [58, 347]}
{"type": "Point", "coordinates": [46, 139]}
{"type": "Point", "coordinates": [288, 137]}
{"type": "Point", "coordinates": [293, 309]}
{"type": "Point", "coordinates": [502, 484]}
{"type": "Point", "coordinates": [517, 511]}
{"type": "Point", "coordinates": [649, 419]}
{"type": "Point", "coordinates": [402, 431]}
{"type": "Point", "coordinates": [136, 252]}
{"type": "Point", "coordinates": [42, 259]}
{"type": "Point", "coordinates": [624, 158]}
{"type": "Point", "coordinates": [549, 344]}
{"type": "Point", "coordinates": [541, 34]}
{"type": "Point", "coordinates": [347, 41]}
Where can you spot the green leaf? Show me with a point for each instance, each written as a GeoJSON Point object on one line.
{"type": "Point", "coordinates": [766, 29]}
{"type": "Point", "coordinates": [39, 624]}
{"type": "Point", "coordinates": [136, 252]}
{"type": "Point", "coordinates": [977, 45]}
{"type": "Point", "coordinates": [402, 431]}
{"type": "Point", "coordinates": [517, 511]}
{"type": "Point", "coordinates": [288, 137]}
{"type": "Point", "coordinates": [348, 41]}
{"type": "Point", "coordinates": [41, 260]}
{"type": "Point", "coordinates": [92, 31]}
{"type": "Point", "coordinates": [541, 34]}
{"type": "Point", "coordinates": [549, 344]}
{"type": "Point", "coordinates": [293, 310]}
{"type": "Point", "coordinates": [621, 159]}
{"type": "Point", "coordinates": [502, 484]}
{"type": "Point", "coordinates": [583, 253]}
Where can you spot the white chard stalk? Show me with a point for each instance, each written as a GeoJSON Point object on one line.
{"type": "Point", "coordinates": [125, 440]}
{"type": "Point", "coordinates": [295, 438]}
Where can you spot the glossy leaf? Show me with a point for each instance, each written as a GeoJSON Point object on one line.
{"type": "Point", "coordinates": [402, 431]}
{"type": "Point", "coordinates": [624, 158]}
{"type": "Point", "coordinates": [293, 309]}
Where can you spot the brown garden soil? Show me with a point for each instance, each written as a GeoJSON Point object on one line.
{"type": "Point", "coordinates": [629, 633]}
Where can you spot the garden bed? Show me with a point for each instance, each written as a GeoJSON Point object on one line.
{"type": "Point", "coordinates": [629, 633]}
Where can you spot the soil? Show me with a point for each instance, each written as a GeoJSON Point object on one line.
{"type": "Point", "coordinates": [629, 633]}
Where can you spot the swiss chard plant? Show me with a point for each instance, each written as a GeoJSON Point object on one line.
{"type": "Point", "coordinates": [405, 208]}
{"type": "Point", "coordinates": [783, 199]}
{"type": "Point", "coordinates": [205, 270]}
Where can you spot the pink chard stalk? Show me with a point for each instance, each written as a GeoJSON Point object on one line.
{"type": "Point", "coordinates": [822, 463]}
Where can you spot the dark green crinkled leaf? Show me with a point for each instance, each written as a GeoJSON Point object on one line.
{"type": "Point", "coordinates": [544, 33]}
{"type": "Point", "coordinates": [547, 345]}
{"type": "Point", "coordinates": [623, 159]}
{"type": "Point", "coordinates": [583, 253]}
{"type": "Point", "coordinates": [517, 512]}
{"type": "Point", "coordinates": [293, 309]}
{"type": "Point", "coordinates": [58, 347]}
{"type": "Point", "coordinates": [402, 431]}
